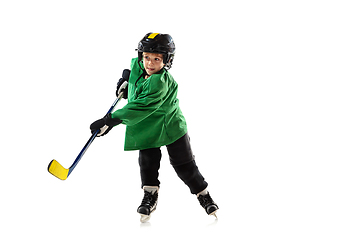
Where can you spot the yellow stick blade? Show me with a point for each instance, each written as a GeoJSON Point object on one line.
{"type": "Point", "coordinates": [57, 170]}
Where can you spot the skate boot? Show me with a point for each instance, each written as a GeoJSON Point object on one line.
{"type": "Point", "coordinates": [207, 203]}
{"type": "Point", "coordinates": [148, 204]}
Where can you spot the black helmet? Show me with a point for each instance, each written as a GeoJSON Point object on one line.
{"type": "Point", "coordinates": [158, 43]}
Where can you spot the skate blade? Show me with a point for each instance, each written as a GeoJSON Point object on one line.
{"type": "Point", "coordinates": [214, 214]}
{"type": "Point", "coordinates": [144, 218]}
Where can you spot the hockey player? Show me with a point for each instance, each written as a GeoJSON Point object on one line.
{"type": "Point", "coordinates": [153, 119]}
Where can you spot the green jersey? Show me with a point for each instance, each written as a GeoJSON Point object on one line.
{"type": "Point", "coordinates": [152, 116]}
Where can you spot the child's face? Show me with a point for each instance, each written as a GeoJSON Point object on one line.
{"type": "Point", "coordinates": [153, 62]}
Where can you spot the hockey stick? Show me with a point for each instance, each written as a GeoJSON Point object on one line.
{"type": "Point", "coordinates": [56, 169]}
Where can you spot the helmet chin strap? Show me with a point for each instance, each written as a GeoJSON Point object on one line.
{"type": "Point", "coordinates": [146, 75]}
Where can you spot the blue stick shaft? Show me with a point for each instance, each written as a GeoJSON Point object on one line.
{"type": "Point", "coordinates": [92, 138]}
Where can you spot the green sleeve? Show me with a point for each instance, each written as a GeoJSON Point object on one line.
{"type": "Point", "coordinates": [146, 103]}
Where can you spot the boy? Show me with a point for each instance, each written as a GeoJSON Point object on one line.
{"type": "Point", "coordinates": [153, 119]}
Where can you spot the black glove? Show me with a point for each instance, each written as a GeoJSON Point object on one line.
{"type": "Point", "coordinates": [105, 124]}
{"type": "Point", "coordinates": [125, 78]}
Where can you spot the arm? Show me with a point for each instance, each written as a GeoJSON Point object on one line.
{"type": "Point", "coordinates": [148, 101]}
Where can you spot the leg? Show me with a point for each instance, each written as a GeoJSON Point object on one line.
{"type": "Point", "coordinates": [182, 159]}
{"type": "Point", "coordinates": [149, 162]}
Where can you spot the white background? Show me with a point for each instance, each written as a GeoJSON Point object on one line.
{"type": "Point", "coordinates": [270, 91]}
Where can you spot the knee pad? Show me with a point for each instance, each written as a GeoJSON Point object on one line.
{"type": "Point", "coordinates": [150, 159]}
{"type": "Point", "coordinates": [187, 171]}
{"type": "Point", "coordinates": [191, 176]}
{"type": "Point", "coordinates": [149, 162]}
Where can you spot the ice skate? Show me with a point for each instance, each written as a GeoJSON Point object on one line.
{"type": "Point", "coordinates": [208, 204]}
{"type": "Point", "coordinates": [148, 204]}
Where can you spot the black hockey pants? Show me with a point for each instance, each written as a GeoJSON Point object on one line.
{"type": "Point", "coordinates": [181, 158]}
